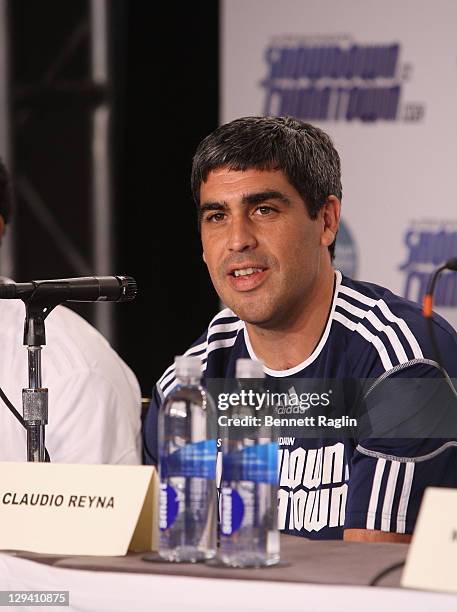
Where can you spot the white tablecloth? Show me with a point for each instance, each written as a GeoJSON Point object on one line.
{"type": "Point", "coordinates": [127, 592]}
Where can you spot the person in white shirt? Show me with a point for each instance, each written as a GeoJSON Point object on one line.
{"type": "Point", "coordinates": [94, 397]}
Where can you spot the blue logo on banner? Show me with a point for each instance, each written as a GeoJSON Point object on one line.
{"type": "Point", "coordinates": [258, 463]}
{"type": "Point", "coordinates": [196, 460]}
{"type": "Point", "coordinates": [345, 252]}
{"type": "Point", "coordinates": [429, 245]}
{"type": "Point", "coordinates": [335, 79]}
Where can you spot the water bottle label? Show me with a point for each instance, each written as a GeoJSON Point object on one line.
{"type": "Point", "coordinates": [232, 511]}
{"type": "Point", "coordinates": [258, 463]}
{"type": "Point", "coordinates": [168, 506]}
{"type": "Point", "coordinates": [196, 460]}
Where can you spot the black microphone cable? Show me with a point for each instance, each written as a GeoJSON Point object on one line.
{"type": "Point", "coordinates": [384, 572]}
{"type": "Point", "coordinates": [427, 309]}
{"type": "Point", "coordinates": [18, 416]}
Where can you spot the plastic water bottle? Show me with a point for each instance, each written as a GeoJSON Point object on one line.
{"type": "Point", "coordinates": [187, 468]}
{"type": "Point", "coordinates": [249, 535]}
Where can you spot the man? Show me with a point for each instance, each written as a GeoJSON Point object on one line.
{"type": "Point", "coordinates": [268, 192]}
{"type": "Point", "coordinates": [94, 398]}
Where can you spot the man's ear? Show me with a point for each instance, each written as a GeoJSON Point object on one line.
{"type": "Point", "coordinates": [203, 255]}
{"type": "Point", "coordinates": [2, 226]}
{"type": "Point", "coordinates": [330, 212]}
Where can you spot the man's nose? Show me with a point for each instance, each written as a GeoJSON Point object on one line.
{"type": "Point", "coordinates": [241, 235]}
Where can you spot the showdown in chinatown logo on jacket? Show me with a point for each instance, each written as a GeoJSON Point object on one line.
{"type": "Point", "coordinates": [428, 245]}
{"type": "Point", "coordinates": [312, 487]}
{"type": "Point", "coordinates": [337, 79]}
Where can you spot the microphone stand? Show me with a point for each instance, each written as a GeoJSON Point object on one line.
{"type": "Point", "coordinates": [40, 298]}
{"type": "Point", "coordinates": [427, 308]}
{"type": "Point", "coordinates": [35, 397]}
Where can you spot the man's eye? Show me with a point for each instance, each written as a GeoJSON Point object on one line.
{"type": "Point", "coordinates": [264, 210]}
{"type": "Point", "coordinates": [215, 217]}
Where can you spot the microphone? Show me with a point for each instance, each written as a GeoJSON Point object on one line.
{"type": "Point", "coordinates": [82, 289]}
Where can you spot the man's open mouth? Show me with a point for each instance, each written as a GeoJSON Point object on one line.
{"type": "Point", "coordinates": [245, 271]}
{"type": "Point", "coordinates": [246, 278]}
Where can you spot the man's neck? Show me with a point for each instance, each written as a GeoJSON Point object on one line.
{"type": "Point", "coordinates": [288, 347]}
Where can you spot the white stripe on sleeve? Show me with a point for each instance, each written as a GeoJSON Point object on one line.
{"type": "Point", "coordinates": [374, 497]}
{"type": "Point", "coordinates": [404, 499]}
{"type": "Point", "coordinates": [389, 495]}
{"type": "Point", "coordinates": [389, 316]}
{"type": "Point", "coordinates": [377, 324]}
{"type": "Point", "coordinates": [363, 331]}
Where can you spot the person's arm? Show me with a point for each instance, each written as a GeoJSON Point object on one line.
{"type": "Point", "coordinates": [374, 535]}
{"type": "Point", "coordinates": [150, 442]}
{"type": "Point", "coordinates": [92, 420]}
{"type": "Point", "coordinates": [388, 477]}
{"type": "Point", "coordinates": [164, 385]}
{"type": "Point", "coordinates": [408, 443]}
{"type": "Point", "coordinates": [387, 481]}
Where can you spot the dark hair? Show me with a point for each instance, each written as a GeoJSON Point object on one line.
{"type": "Point", "coordinates": [5, 193]}
{"type": "Point", "coordinates": [302, 151]}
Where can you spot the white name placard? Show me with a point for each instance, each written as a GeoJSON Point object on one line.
{"type": "Point", "coordinates": [432, 557]}
{"type": "Point", "coordinates": [76, 509]}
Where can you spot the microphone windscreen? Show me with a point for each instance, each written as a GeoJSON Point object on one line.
{"type": "Point", "coordinates": [129, 289]}
{"type": "Point", "coordinates": [451, 264]}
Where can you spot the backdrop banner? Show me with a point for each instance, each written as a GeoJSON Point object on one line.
{"type": "Point", "coordinates": [381, 79]}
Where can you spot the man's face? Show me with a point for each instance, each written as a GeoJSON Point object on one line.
{"type": "Point", "coordinates": [263, 252]}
